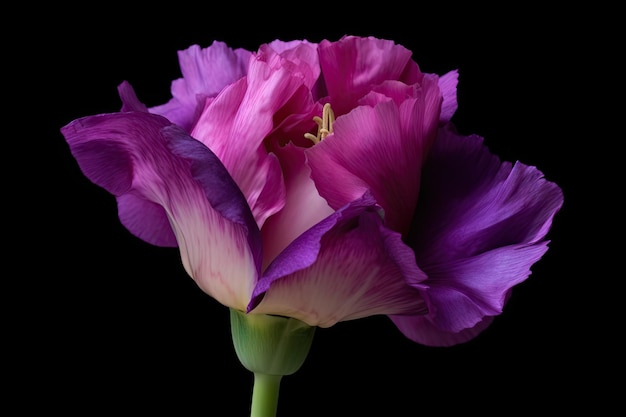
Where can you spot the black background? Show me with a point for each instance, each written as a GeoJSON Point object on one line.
{"type": "Point", "coordinates": [104, 322]}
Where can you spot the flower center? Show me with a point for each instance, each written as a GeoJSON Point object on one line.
{"type": "Point", "coordinates": [324, 125]}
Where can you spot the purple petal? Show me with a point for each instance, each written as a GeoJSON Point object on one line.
{"type": "Point", "coordinates": [421, 330]}
{"type": "Point", "coordinates": [479, 227]}
{"type": "Point", "coordinates": [462, 293]}
{"type": "Point", "coordinates": [104, 153]}
{"type": "Point", "coordinates": [471, 202]}
{"type": "Point", "coordinates": [447, 85]}
{"type": "Point", "coordinates": [145, 219]}
{"type": "Point", "coordinates": [206, 71]}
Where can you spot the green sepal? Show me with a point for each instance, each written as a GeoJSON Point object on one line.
{"type": "Point", "coordinates": [270, 345]}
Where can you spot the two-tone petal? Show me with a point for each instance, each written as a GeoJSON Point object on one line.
{"type": "Point", "coordinates": [348, 266]}
{"type": "Point", "coordinates": [172, 190]}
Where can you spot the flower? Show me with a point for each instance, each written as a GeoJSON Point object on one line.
{"type": "Point", "coordinates": [323, 182]}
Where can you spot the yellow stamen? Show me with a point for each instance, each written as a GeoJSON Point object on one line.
{"type": "Point", "coordinates": [324, 124]}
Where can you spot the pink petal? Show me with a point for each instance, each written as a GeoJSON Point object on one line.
{"type": "Point", "coordinates": [304, 207]}
{"type": "Point", "coordinates": [479, 227]}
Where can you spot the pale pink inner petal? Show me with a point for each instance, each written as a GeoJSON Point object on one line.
{"type": "Point", "coordinates": [303, 208]}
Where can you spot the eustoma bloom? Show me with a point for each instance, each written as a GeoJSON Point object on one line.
{"type": "Point", "coordinates": [311, 183]}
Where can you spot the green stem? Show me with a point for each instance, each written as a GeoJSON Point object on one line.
{"type": "Point", "coordinates": [265, 395]}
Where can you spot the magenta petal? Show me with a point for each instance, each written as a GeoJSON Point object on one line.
{"type": "Point", "coordinates": [380, 149]}
{"type": "Point", "coordinates": [353, 65]}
